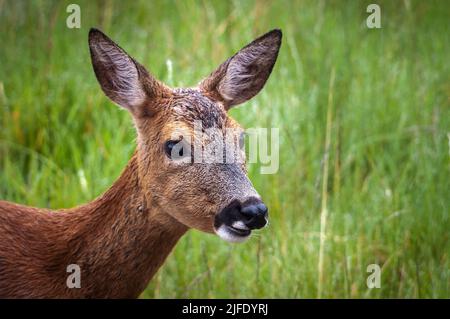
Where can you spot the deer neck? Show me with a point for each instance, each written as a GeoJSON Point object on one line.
{"type": "Point", "coordinates": [122, 238]}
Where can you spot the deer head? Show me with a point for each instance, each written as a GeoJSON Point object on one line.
{"type": "Point", "coordinates": [204, 193]}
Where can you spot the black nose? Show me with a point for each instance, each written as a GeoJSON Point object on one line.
{"type": "Point", "coordinates": [255, 215]}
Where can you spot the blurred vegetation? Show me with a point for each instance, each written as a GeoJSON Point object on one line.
{"type": "Point", "coordinates": [62, 142]}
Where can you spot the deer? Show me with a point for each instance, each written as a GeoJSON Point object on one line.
{"type": "Point", "coordinates": [121, 238]}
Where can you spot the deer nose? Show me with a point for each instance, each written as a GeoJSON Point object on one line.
{"type": "Point", "coordinates": [255, 215]}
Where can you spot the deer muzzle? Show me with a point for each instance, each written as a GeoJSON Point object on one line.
{"type": "Point", "coordinates": [237, 220]}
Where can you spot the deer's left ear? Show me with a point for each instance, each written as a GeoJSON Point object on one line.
{"type": "Point", "coordinates": [243, 75]}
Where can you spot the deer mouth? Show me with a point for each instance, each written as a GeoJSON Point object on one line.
{"type": "Point", "coordinates": [237, 229]}
{"type": "Point", "coordinates": [235, 222]}
{"type": "Point", "coordinates": [235, 233]}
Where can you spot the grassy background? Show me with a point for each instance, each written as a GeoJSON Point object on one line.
{"type": "Point", "coordinates": [381, 94]}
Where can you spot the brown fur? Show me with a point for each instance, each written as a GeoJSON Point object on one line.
{"type": "Point", "coordinates": [119, 241]}
{"type": "Point", "coordinates": [122, 238]}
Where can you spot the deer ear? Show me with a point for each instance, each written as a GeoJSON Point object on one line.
{"type": "Point", "coordinates": [243, 75]}
{"type": "Point", "coordinates": [122, 79]}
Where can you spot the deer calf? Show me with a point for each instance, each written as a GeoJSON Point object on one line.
{"type": "Point", "coordinates": [120, 239]}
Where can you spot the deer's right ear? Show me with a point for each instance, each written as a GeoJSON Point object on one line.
{"type": "Point", "coordinates": [122, 79]}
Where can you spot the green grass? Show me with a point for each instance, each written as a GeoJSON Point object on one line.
{"type": "Point", "coordinates": [63, 143]}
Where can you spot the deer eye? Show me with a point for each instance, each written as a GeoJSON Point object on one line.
{"type": "Point", "coordinates": [175, 149]}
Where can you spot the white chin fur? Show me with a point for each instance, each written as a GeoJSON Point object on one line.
{"type": "Point", "coordinates": [227, 235]}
